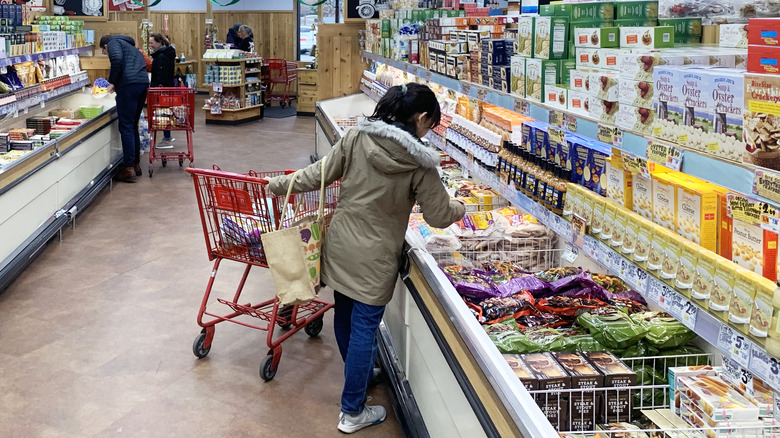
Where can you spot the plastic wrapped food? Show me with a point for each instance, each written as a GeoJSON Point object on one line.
{"type": "Point", "coordinates": [612, 328]}
{"type": "Point", "coordinates": [630, 305]}
{"type": "Point", "coordinates": [568, 306]}
{"type": "Point", "coordinates": [497, 308]}
{"type": "Point", "coordinates": [437, 239]}
{"type": "Point", "coordinates": [467, 283]}
{"type": "Point", "coordinates": [554, 274]}
{"type": "Point", "coordinates": [640, 349]}
{"type": "Point", "coordinates": [687, 355]}
{"type": "Point", "coordinates": [663, 330]}
{"type": "Point", "coordinates": [508, 339]}
{"type": "Point", "coordinates": [611, 283]}
{"type": "Point", "coordinates": [575, 340]}
{"type": "Point", "coordinates": [541, 319]}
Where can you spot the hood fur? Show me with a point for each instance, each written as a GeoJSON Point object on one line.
{"type": "Point", "coordinates": [426, 156]}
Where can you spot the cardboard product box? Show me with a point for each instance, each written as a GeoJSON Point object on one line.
{"type": "Point", "coordinates": [580, 149]}
{"type": "Point", "coordinates": [647, 37]}
{"type": "Point", "coordinates": [761, 314]}
{"type": "Point", "coordinates": [665, 200]}
{"type": "Point", "coordinates": [640, 65]}
{"type": "Point", "coordinates": [551, 377]}
{"type": "Point", "coordinates": [617, 404]}
{"type": "Point", "coordinates": [635, 22]}
{"type": "Point", "coordinates": [556, 96]}
{"type": "Point", "coordinates": [539, 74]}
{"type": "Point", "coordinates": [636, 119]}
{"type": "Point", "coordinates": [764, 59]}
{"type": "Point", "coordinates": [579, 80]}
{"type": "Point", "coordinates": [636, 10]}
{"type": "Point", "coordinates": [598, 58]}
{"type": "Point", "coordinates": [764, 31]}
{"type": "Point", "coordinates": [566, 66]}
{"type": "Point", "coordinates": [583, 406]}
{"type": "Point", "coordinates": [718, 399]}
{"type": "Point", "coordinates": [551, 38]}
{"type": "Point", "coordinates": [598, 37]}
{"type": "Point", "coordinates": [697, 213]}
{"type": "Point", "coordinates": [602, 110]}
{"type": "Point", "coordinates": [578, 102]}
{"type": "Point", "coordinates": [592, 11]}
{"type": "Point", "coordinates": [675, 373]}
{"type": "Point", "coordinates": [620, 185]}
{"type": "Point", "coordinates": [636, 93]}
{"type": "Point", "coordinates": [522, 371]}
{"type": "Point", "coordinates": [704, 277]}
{"type": "Point", "coordinates": [733, 35]}
{"type": "Point", "coordinates": [761, 121]}
{"type": "Point", "coordinates": [518, 75]}
{"type": "Point", "coordinates": [723, 92]}
{"type": "Point", "coordinates": [594, 173]}
{"type": "Point", "coordinates": [525, 36]}
{"type": "Point", "coordinates": [604, 85]}
{"type": "Point", "coordinates": [683, 27]}
{"type": "Point", "coordinates": [720, 298]}
{"type": "Point", "coordinates": [743, 295]}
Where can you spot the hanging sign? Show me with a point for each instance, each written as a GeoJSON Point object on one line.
{"type": "Point", "coordinates": [153, 3]}
{"type": "Point", "coordinates": [767, 184]}
{"type": "Point", "coordinates": [231, 2]}
{"type": "Point", "coordinates": [664, 154]}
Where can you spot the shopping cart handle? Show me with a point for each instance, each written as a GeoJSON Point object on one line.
{"type": "Point", "coordinates": [251, 176]}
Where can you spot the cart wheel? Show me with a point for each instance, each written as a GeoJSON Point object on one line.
{"type": "Point", "coordinates": [181, 162]}
{"type": "Point", "coordinates": [197, 346]}
{"type": "Point", "coordinates": [282, 103]}
{"type": "Point", "coordinates": [286, 314]}
{"type": "Point", "coordinates": [165, 163]}
{"type": "Point", "coordinates": [265, 368]}
{"type": "Point", "coordinates": [314, 328]}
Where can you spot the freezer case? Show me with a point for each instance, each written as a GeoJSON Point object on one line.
{"type": "Point", "coordinates": [44, 191]}
{"type": "Point", "coordinates": [447, 376]}
{"type": "Point", "coordinates": [332, 117]}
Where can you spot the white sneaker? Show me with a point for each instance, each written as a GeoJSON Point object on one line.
{"type": "Point", "coordinates": [166, 144]}
{"type": "Point", "coordinates": [371, 415]}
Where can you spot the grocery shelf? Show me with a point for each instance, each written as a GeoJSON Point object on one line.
{"type": "Point", "coordinates": [744, 351]}
{"type": "Point", "coordinates": [11, 60]}
{"type": "Point", "coordinates": [733, 176]}
{"type": "Point", "coordinates": [242, 109]}
{"type": "Point", "coordinates": [24, 104]}
{"type": "Point", "coordinates": [241, 84]}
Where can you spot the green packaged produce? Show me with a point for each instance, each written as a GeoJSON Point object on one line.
{"type": "Point", "coordinates": [575, 340]}
{"type": "Point", "coordinates": [612, 328]}
{"type": "Point", "coordinates": [640, 349]}
{"type": "Point", "coordinates": [510, 339]}
{"type": "Point", "coordinates": [663, 330]}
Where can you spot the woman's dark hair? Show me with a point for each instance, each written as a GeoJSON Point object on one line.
{"type": "Point", "coordinates": [160, 39]}
{"type": "Point", "coordinates": [402, 102]}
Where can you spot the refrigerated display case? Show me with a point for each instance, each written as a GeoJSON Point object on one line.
{"type": "Point", "coordinates": [45, 190]}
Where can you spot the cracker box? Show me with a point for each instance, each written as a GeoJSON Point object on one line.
{"type": "Point", "coordinates": [761, 121]}
{"type": "Point", "coordinates": [733, 35]}
{"type": "Point", "coordinates": [579, 80]}
{"type": "Point", "coordinates": [754, 249]}
{"type": "Point", "coordinates": [539, 73]}
{"type": "Point", "coordinates": [646, 37]}
{"type": "Point", "coordinates": [550, 38]}
{"type": "Point", "coordinates": [636, 119]}
{"type": "Point", "coordinates": [598, 37]}
{"type": "Point", "coordinates": [764, 31]}
{"type": "Point", "coordinates": [551, 376]}
{"type": "Point", "coordinates": [592, 11]}
{"type": "Point", "coordinates": [636, 10]}
{"type": "Point", "coordinates": [620, 186]}
{"type": "Point", "coordinates": [556, 96]}
{"type": "Point", "coordinates": [579, 151]}
{"type": "Point", "coordinates": [522, 371]}
{"type": "Point", "coordinates": [578, 102]}
{"type": "Point", "coordinates": [764, 59]}
{"type": "Point", "coordinates": [583, 405]}
{"type": "Point", "coordinates": [617, 404]}
{"type": "Point", "coordinates": [594, 173]}
{"type": "Point", "coordinates": [724, 89]}
{"type": "Point", "coordinates": [697, 213]}
{"type": "Point", "coordinates": [720, 298]}
{"type": "Point", "coordinates": [664, 200]}
{"type": "Point", "coordinates": [683, 27]}
{"type": "Point", "coordinates": [639, 94]}
{"type": "Point", "coordinates": [704, 278]}
{"type": "Point", "coordinates": [603, 110]}
{"type": "Point", "coordinates": [598, 58]}
{"type": "Point", "coordinates": [518, 76]}
{"type": "Point", "coordinates": [604, 85]}
{"type": "Point", "coordinates": [643, 196]}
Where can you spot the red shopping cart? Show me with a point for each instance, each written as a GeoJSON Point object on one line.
{"type": "Point", "coordinates": [280, 74]}
{"type": "Point", "coordinates": [170, 109]}
{"type": "Point", "coordinates": [235, 210]}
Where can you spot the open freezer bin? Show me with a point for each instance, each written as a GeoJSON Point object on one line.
{"type": "Point", "coordinates": [334, 117]}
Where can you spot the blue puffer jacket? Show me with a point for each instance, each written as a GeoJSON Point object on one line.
{"type": "Point", "coordinates": [128, 65]}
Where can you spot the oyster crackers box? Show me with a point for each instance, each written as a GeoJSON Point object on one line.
{"type": "Point", "coordinates": [761, 120]}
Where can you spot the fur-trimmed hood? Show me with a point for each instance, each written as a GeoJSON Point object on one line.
{"type": "Point", "coordinates": [396, 149]}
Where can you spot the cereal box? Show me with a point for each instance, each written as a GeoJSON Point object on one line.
{"type": "Point", "coordinates": [720, 298]}
{"type": "Point", "coordinates": [647, 37]}
{"type": "Point", "coordinates": [599, 37]}
{"type": "Point", "coordinates": [761, 314]}
{"type": "Point", "coordinates": [664, 200]}
{"type": "Point", "coordinates": [697, 213]}
{"type": "Point", "coordinates": [733, 35]}
{"type": "Point", "coordinates": [686, 270]}
{"type": "Point", "coordinates": [551, 37]}
{"type": "Point", "coordinates": [762, 120]}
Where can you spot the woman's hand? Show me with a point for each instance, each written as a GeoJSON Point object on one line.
{"type": "Point", "coordinates": [110, 88]}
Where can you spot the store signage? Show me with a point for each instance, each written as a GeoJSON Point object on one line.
{"type": "Point", "coordinates": [761, 364]}
{"type": "Point", "coordinates": [635, 164]}
{"type": "Point", "coordinates": [664, 154]}
{"type": "Point", "coordinates": [571, 253]}
{"type": "Point", "coordinates": [570, 123]}
{"type": "Point", "coordinates": [523, 107]}
{"type": "Point", "coordinates": [578, 228]}
{"type": "Point", "coordinates": [767, 184]}
{"type": "Point", "coordinates": [481, 94]}
{"type": "Point", "coordinates": [556, 118]}
{"type": "Point", "coordinates": [745, 209]}
{"type": "Point", "coordinates": [736, 345]}
{"type": "Point", "coordinates": [605, 133]}
{"type": "Point", "coordinates": [465, 88]}
{"type": "Point", "coordinates": [217, 87]}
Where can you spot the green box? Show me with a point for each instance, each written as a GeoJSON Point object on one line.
{"type": "Point", "coordinates": [567, 65]}
{"type": "Point", "coordinates": [551, 37]}
{"type": "Point", "coordinates": [636, 22]}
{"type": "Point", "coordinates": [591, 23]}
{"type": "Point", "coordinates": [555, 10]}
{"type": "Point", "coordinates": [525, 36]}
{"type": "Point", "coordinates": [596, 37]}
{"type": "Point", "coordinates": [385, 28]}
{"type": "Point", "coordinates": [592, 11]}
{"type": "Point", "coordinates": [637, 9]}
{"type": "Point", "coordinates": [686, 40]}
{"type": "Point", "coordinates": [683, 27]}
{"type": "Point", "coordinates": [538, 74]}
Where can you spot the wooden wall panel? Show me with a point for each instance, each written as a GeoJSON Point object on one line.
{"type": "Point", "coordinates": [340, 63]}
{"type": "Point", "coordinates": [274, 31]}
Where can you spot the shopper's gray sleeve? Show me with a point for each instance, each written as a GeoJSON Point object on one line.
{"type": "Point", "coordinates": [439, 210]}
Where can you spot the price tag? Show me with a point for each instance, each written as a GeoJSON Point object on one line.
{"type": "Point", "coordinates": [465, 173]}
{"type": "Point", "coordinates": [674, 158]}
{"type": "Point", "coordinates": [767, 184]}
{"type": "Point", "coordinates": [664, 154]}
{"type": "Point", "coordinates": [209, 21]}
{"type": "Point", "coordinates": [687, 312]}
{"type": "Point", "coordinates": [769, 218]}
{"type": "Point", "coordinates": [761, 363]}
{"type": "Point", "coordinates": [636, 278]}
{"type": "Point", "coordinates": [556, 118]}
{"type": "Point", "coordinates": [571, 253]}
{"type": "Point", "coordinates": [470, 158]}
{"type": "Point", "coordinates": [654, 289]}
{"type": "Point", "coordinates": [578, 226]}
{"type": "Point", "coordinates": [635, 164]}
{"type": "Point", "coordinates": [43, 104]}
{"type": "Point", "coordinates": [735, 344]}
{"type": "Point", "coordinates": [481, 93]}
{"type": "Point", "coordinates": [570, 123]}
{"type": "Point", "coordinates": [602, 254]}
{"type": "Point", "coordinates": [589, 246]}
{"type": "Point", "coordinates": [776, 413]}
{"type": "Point", "coordinates": [617, 137]}
{"type": "Point", "coordinates": [465, 88]}
{"type": "Point", "coordinates": [216, 109]}
{"type": "Point", "coordinates": [605, 133]}
{"type": "Point", "coordinates": [428, 75]}
{"type": "Point", "coordinates": [217, 87]}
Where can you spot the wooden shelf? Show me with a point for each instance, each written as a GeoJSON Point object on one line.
{"type": "Point", "coordinates": [226, 86]}
{"type": "Point", "coordinates": [242, 109]}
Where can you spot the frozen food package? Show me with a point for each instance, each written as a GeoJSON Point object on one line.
{"type": "Point", "coordinates": [437, 239]}
{"type": "Point", "coordinates": [612, 328]}
{"type": "Point", "coordinates": [663, 330]}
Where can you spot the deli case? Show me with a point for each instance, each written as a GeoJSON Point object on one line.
{"type": "Point", "coordinates": [43, 189]}
{"type": "Point", "coordinates": [447, 376]}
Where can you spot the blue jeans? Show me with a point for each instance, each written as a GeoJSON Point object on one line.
{"type": "Point", "coordinates": [130, 100]}
{"type": "Point", "coordinates": [166, 135]}
{"type": "Point", "coordinates": [355, 325]}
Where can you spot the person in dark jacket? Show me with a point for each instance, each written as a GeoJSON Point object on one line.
{"type": "Point", "coordinates": [245, 32]}
{"type": "Point", "coordinates": [232, 35]}
{"type": "Point", "coordinates": [128, 78]}
{"type": "Point", "coordinates": [163, 67]}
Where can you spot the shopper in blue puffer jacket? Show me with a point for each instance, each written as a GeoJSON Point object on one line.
{"type": "Point", "coordinates": [128, 78]}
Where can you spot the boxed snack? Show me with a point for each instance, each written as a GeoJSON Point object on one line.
{"type": "Point", "coordinates": [697, 213]}
{"type": "Point", "coordinates": [556, 96]}
{"type": "Point", "coordinates": [597, 37]}
{"type": "Point", "coordinates": [616, 404]}
{"type": "Point", "coordinates": [722, 429]}
{"type": "Point", "coordinates": [718, 399]}
{"type": "Point", "coordinates": [671, 257]}
{"type": "Point", "coordinates": [657, 247]}
{"type": "Point", "coordinates": [591, 11]}
{"type": "Point", "coordinates": [683, 27]}
{"type": "Point", "coordinates": [636, 93]}
{"type": "Point", "coordinates": [603, 110]}
{"type": "Point", "coordinates": [726, 223]}
{"type": "Point", "coordinates": [550, 376]}
{"type": "Point", "coordinates": [522, 371]}
{"type": "Point", "coordinates": [723, 288]}
{"type": "Point", "coordinates": [550, 37]}
{"type": "Point", "coordinates": [764, 31]}
{"type": "Point", "coordinates": [564, 71]}
{"type": "Point", "coordinates": [518, 76]}
{"type": "Point", "coordinates": [582, 405]}
{"type": "Point", "coordinates": [597, 219]}
{"type": "Point", "coordinates": [762, 120]}
{"type": "Point", "coordinates": [595, 168]}
{"type": "Point", "coordinates": [579, 80]}
{"type": "Point", "coordinates": [724, 90]}
{"type": "Point", "coordinates": [761, 314]}
{"type": "Point", "coordinates": [636, 9]}
{"type": "Point", "coordinates": [622, 217]}
{"type": "Point", "coordinates": [635, 119]}
{"type": "Point", "coordinates": [665, 200]}
{"type": "Point", "coordinates": [686, 269]}
{"type": "Point", "coordinates": [578, 102]}
{"type": "Point", "coordinates": [539, 73]}
{"type": "Point", "coordinates": [754, 248]}
{"type": "Point", "coordinates": [620, 185]}
{"type": "Point", "coordinates": [704, 277]}
{"type": "Point", "coordinates": [571, 196]}
{"type": "Point", "coordinates": [763, 59]}
{"type": "Point", "coordinates": [630, 236]}
{"type": "Point", "coordinates": [743, 294]}
{"type": "Point", "coordinates": [525, 36]}
{"type": "Point", "coordinates": [643, 196]}
{"type": "Point", "coordinates": [644, 241]}
{"type": "Point", "coordinates": [733, 35]}
{"type": "Point", "coordinates": [607, 59]}
{"type": "Point", "coordinates": [579, 150]}
{"type": "Point", "coordinates": [647, 37]}
{"type": "Point", "coordinates": [588, 198]}
{"type": "Point", "coordinates": [604, 85]}
{"type": "Point", "coordinates": [676, 373]}
{"type": "Point", "coordinates": [608, 222]}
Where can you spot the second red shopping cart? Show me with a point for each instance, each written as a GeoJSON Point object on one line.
{"type": "Point", "coordinates": [235, 211]}
{"type": "Point", "coordinates": [170, 109]}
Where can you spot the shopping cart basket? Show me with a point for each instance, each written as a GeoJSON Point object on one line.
{"type": "Point", "coordinates": [170, 109]}
{"type": "Point", "coordinates": [235, 210]}
{"type": "Point", "coordinates": [280, 74]}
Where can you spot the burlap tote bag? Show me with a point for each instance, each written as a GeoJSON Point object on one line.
{"type": "Point", "coordinates": [293, 253]}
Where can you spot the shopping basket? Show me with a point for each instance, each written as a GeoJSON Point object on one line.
{"type": "Point", "coordinates": [235, 210]}
{"type": "Point", "coordinates": [280, 74]}
{"type": "Point", "coordinates": [170, 109]}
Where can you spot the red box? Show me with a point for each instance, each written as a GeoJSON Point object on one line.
{"type": "Point", "coordinates": [763, 59]}
{"type": "Point", "coordinates": [764, 31]}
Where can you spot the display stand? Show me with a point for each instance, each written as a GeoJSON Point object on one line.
{"type": "Point", "coordinates": [251, 74]}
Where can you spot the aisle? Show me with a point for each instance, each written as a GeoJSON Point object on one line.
{"type": "Point", "coordinates": [97, 334]}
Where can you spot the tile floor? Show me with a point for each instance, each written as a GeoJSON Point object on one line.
{"type": "Point", "coordinates": [97, 333]}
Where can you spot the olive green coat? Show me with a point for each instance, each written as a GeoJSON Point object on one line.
{"type": "Point", "coordinates": [383, 171]}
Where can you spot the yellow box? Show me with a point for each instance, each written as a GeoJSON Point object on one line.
{"type": "Point", "coordinates": [704, 280]}
{"type": "Point", "coordinates": [742, 297]}
{"type": "Point", "coordinates": [657, 248]}
{"type": "Point", "coordinates": [720, 298]}
{"type": "Point", "coordinates": [630, 235]}
{"type": "Point", "coordinates": [610, 208]}
{"type": "Point", "coordinates": [761, 316]}
{"type": "Point", "coordinates": [586, 211]}
{"type": "Point", "coordinates": [697, 213]}
{"type": "Point", "coordinates": [620, 184]}
{"type": "Point", "coordinates": [570, 201]}
{"type": "Point", "coordinates": [644, 241]}
{"type": "Point", "coordinates": [671, 258]}
{"type": "Point", "coordinates": [485, 196]}
{"type": "Point", "coordinates": [597, 220]}
{"type": "Point", "coordinates": [643, 196]}
{"type": "Point", "coordinates": [665, 200]}
{"type": "Point", "coordinates": [618, 227]}
{"type": "Point", "coordinates": [686, 269]}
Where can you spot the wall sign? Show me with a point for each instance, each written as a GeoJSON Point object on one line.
{"type": "Point", "coordinates": [88, 10]}
{"type": "Point", "coordinates": [363, 9]}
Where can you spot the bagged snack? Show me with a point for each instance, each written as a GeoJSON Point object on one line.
{"type": "Point", "coordinates": [541, 319]}
{"type": "Point", "coordinates": [612, 328]}
{"type": "Point", "coordinates": [497, 308]}
{"type": "Point", "coordinates": [640, 349]}
{"type": "Point", "coordinates": [568, 306]}
{"type": "Point", "coordinates": [551, 275]}
{"type": "Point", "coordinates": [575, 340]}
{"type": "Point", "coordinates": [663, 330]}
{"type": "Point", "coordinates": [469, 284]}
{"type": "Point", "coordinates": [508, 339]}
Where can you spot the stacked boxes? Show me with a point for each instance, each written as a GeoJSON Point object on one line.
{"type": "Point", "coordinates": [764, 45]}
